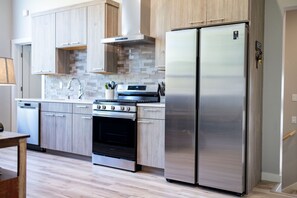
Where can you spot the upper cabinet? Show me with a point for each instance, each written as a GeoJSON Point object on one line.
{"type": "Point", "coordinates": [167, 15]}
{"type": "Point", "coordinates": [225, 11]}
{"type": "Point", "coordinates": [43, 44]}
{"type": "Point", "coordinates": [102, 23]}
{"type": "Point", "coordinates": [188, 13]}
{"type": "Point", "coordinates": [71, 28]}
{"type": "Point", "coordinates": [80, 26]}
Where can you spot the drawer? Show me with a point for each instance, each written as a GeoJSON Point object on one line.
{"type": "Point", "coordinates": [82, 108]}
{"type": "Point", "coordinates": [151, 112]}
{"type": "Point", "coordinates": [56, 107]}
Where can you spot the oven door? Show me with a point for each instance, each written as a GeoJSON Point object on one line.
{"type": "Point", "coordinates": [114, 134]}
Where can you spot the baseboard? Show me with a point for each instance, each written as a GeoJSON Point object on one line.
{"type": "Point", "coordinates": [271, 177]}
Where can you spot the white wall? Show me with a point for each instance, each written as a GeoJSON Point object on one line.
{"type": "Point", "coordinates": [272, 88]}
{"type": "Point", "coordinates": [22, 25]}
{"type": "Point", "coordinates": [5, 37]}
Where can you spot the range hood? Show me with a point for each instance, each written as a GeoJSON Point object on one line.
{"type": "Point", "coordinates": [135, 24]}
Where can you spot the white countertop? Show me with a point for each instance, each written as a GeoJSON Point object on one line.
{"type": "Point", "coordinates": [157, 104]}
{"type": "Point", "coordinates": [55, 100]}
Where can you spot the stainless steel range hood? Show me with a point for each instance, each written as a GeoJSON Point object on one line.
{"type": "Point", "coordinates": [135, 24]}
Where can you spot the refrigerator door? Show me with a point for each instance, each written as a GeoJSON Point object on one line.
{"type": "Point", "coordinates": [222, 107]}
{"type": "Point", "coordinates": [180, 113]}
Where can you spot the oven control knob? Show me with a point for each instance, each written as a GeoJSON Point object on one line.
{"type": "Point", "coordinates": [98, 106]}
{"type": "Point", "coordinates": [122, 108]}
{"type": "Point", "coordinates": [104, 107]}
{"type": "Point", "coordinates": [112, 107]}
{"type": "Point", "coordinates": [128, 108]}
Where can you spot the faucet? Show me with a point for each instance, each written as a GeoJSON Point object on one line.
{"type": "Point", "coordinates": [80, 90]}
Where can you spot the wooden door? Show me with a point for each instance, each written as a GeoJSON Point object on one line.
{"type": "Point", "coordinates": [160, 24]}
{"type": "Point", "coordinates": [43, 44]}
{"type": "Point", "coordinates": [151, 142]}
{"type": "Point", "coordinates": [102, 23]}
{"type": "Point", "coordinates": [78, 24]}
{"type": "Point", "coordinates": [225, 11]}
{"type": "Point", "coordinates": [48, 130]}
{"type": "Point", "coordinates": [63, 126]}
{"type": "Point", "coordinates": [82, 134]}
{"type": "Point", "coordinates": [197, 13]}
{"type": "Point", "coordinates": [63, 28]}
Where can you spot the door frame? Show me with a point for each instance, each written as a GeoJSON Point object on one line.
{"type": "Point", "coordinates": [16, 51]}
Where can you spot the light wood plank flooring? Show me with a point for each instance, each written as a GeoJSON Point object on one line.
{"type": "Point", "coordinates": [61, 177]}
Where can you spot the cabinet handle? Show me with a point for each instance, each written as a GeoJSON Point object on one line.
{"type": "Point", "coordinates": [64, 44]}
{"type": "Point", "coordinates": [219, 19]}
{"type": "Point", "coordinates": [75, 43]}
{"type": "Point", "coordinates": [82, 106]}
{"type": "Point", "coordinates": [49, 114]}
{"type": "Point", "coordinates": [144, 122]}
{"type": "Point", "coordinates": [86, 118]}
{"type": "Point", "coordinates": [193, 22]}
{"type": "Point", "coordinates": [61, 116]}
{"type": "Point", "coordinates": [152, 110]}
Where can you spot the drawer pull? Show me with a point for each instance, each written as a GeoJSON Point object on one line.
{"type": "Point", "coordinates": [75, 43]}
{"type": "Point", "coordinates": [64, 44]}
{"type": "Point", "coordinates": [61, 116]}
{"type": "Point", "coordinates": [144, 122]}
{"type": "Point", "coordinates": [86, 118]}
{"type": "Point", "coordinates": [152, 110]}
{"type": "Point", "coordinates": [219, 19]}
{"type": "Point", "coordinates": [49, 114]}
{"type": "Point", "coordinates": [82, 106]}
{"type": "Point", "coordinates": [193, 22]}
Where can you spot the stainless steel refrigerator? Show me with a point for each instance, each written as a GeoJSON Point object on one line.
{"type": "Point", "coordinates": [205, 127]}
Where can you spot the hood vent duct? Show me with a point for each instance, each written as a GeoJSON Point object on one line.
{"type": "Point", "coordinates": [135, 24]}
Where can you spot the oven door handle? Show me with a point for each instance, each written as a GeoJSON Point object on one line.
{"type": "Point", "coordinates": [130, 116]}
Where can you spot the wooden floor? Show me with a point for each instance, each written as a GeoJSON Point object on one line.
{"type": "Point", "coordinates": [60, 177]}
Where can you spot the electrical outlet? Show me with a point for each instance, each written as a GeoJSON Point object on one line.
{"type": "Point", "coordinates": [61, 85]}
{"type": "Point", "coordinates": [294, 97]}
{"type": "Point", "coordinates": [294, 120]}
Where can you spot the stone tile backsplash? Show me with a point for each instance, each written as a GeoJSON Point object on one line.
{"type": "Point", "coordinates": [136, 65]}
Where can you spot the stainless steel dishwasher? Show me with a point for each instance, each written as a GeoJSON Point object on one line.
{"type": "Point", "coordinates": [28, 122]}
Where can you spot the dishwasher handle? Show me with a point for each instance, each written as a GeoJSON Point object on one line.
{"type": "Point", "coordinates": [29, 105]}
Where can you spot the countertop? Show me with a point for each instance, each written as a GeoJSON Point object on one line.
{"type": "Point", "coordinates": [55, 100]}
{"type": "Point", "coordinates": [158, 104]}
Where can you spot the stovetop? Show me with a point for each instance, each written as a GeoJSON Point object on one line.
{"type": "Point", "coordinates": [114, 101]}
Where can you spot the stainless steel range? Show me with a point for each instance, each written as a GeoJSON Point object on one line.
{"type": "Point", "coordinates": [115, 126]}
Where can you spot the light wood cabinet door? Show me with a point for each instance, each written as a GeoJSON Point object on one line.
{"type": "Point", "coordinates": [187, 13]}
{"type": "Point", "coordinates": [71, 28]}
{"type": "Point", "coordinates": [150, 142]}
{"type": "Point", "coordinates": [102, 23]}
{"type": "Point", "coordinates": [224, 11]}
{"type": "Point", "coordinates": [82, 134]}
{"type": "Point", "coordinates": [160, 24]}
{"type": "Point", "coordinates": [48, 130]}
{"type": "Point", "coordinates": [63, 125]}
{"type": "Point", "coordinates": [43, 44]}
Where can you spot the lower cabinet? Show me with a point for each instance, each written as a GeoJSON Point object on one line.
{"type": "Point", "coordinates": [67, 127]}
{"type": "Point", "coordinates": [151, 137]}
{"type": "Point", "coordinates": [56, 131]}
{"type": "Point", "coordinates": [82, 134]}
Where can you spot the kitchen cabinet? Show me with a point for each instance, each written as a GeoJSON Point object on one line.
{"type": "Point", "coordinates": [56, 126]}
{"type": "Point", "coordinates": [43, 44]}
{"type": "Point", "coordinates": [160, 24]}
{"type": "Point", "coordinates": [226, 11]}
{"type": "Point", "coordinates": [71, 28]}
{"type": "Point", "coordinates": [190, 13]}
{"type": "Point", "coordinates": [177, 14]}
{"type": "Point", "coordinates": [82, 129]}
{"type": "Point", "coordinates": [102, 23]}
{"type": "Point", "coordinates": [151, 136]}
